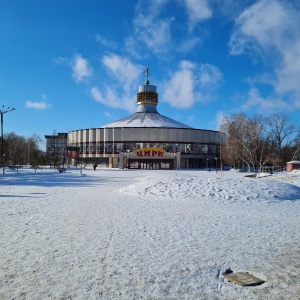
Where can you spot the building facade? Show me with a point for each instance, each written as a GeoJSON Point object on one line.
{"type": "Point", "coordinates": [292, 165]}
{"type": "Point", "coordinates": [147, 140]}
{"type": "Point", "coordinates": [56, 146]}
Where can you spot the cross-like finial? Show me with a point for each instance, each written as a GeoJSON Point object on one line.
{"type": "Point", "coordinates": [147, 75]}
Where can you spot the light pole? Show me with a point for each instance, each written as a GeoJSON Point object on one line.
{"type": "Point", "coordinates": [2, 112]}
{"type": "Point", "coordinates": [216, 164]}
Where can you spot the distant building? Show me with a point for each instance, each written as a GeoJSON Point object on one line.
{"type": "Point", "coordinates": [147, 140]}
{"type": "Point", "coordinates": [292, 165]}
{"type": "Point", "coordinates": [56, 147]}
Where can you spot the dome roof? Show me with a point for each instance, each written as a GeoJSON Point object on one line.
{"type": "Point", "coordinates": [146, 119]}
{"type": "Point", "coordinates": [147, 114]}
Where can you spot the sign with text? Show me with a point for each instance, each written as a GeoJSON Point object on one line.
{"type": "Point", "coordinates": [150, 152]}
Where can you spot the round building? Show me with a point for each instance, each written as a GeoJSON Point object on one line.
{"type": "Point", "coordinates": [147, 140]}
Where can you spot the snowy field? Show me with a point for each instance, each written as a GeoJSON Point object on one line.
{"type": "Point", "coordinates": [141, 234]}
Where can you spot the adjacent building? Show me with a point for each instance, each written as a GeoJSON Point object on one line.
{"type": "Point", "coordinates": [56, 146]}
{"type": "Point", "coordinates": [293, 165]}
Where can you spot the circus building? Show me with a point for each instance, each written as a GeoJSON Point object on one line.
{"type": "Point", "coordinates": [147, 140]}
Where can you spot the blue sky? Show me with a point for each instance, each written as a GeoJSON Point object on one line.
{"type": "Point", "coordinates": [73, 64]}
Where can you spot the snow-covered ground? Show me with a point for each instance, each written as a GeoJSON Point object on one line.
{"type": "Point", "coordinates": [138, 234]}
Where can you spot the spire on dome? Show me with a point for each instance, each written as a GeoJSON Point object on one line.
{"type": "Point", "coordinates": [147, 75]}
{"type": "Point", "coordinates": [147, 98]}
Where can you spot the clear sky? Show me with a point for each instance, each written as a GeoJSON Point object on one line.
{"type": "Point", "coordinates": [73, 64]}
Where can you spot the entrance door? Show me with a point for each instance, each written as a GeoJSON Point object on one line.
{"type": "Point", "coordinates": [150, 164]}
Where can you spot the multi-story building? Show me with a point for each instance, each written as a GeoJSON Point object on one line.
{"type": "Point", "coordinates": [147, 140]}
{"type": "Point", "coordinates": [56, 147]}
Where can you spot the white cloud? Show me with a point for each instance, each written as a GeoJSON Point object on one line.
{"type": "Point", "coordinates": [151, 29]}
{"type": "Point", "coordinates": [105, 42]}
{"type": "Point", "coordinates": [121, 91]}
{"type": "Point", "coordinates": [191, 83]}
{"type": "Point", "coordinates": [198, 10]}
{"type": "Point", "coordinates": [188, 44]}
{"type": "Point", "coordinates": [41, 105]}
{"type": "Point", "coordinates": [179, 90]}
{"type": "Point", "coordinates": [122, 69]}
{"type": "Point", "coordinates": [219, 119]}
{"type": "Point", "coordinates": [288, 73]}
{"type": "Point", "coordinates": [96, 94]}
{"type": "Point", "coordinates": [230, 9]}
{"type": "Point", "coordinates": [209, 75]}
{"type": "Point", "coordinates": [134, 47]}
{"type": "Point", "coordinates": [61, 60]}
{"type": "Point", "coordinates": [263, 105]}
{"type": "Point", "coordinates": [107, 114]}
{"type": "Point", "coordinates": [262, 23]}
{"type": "Point", "coordinates": [37, 105]}
{"type": "Point", "coordinates": [112, 99]}
{"type": "Point", "coordinates": [81, 70]}
{"type": "Point", "coordinates": [155, 22]}
{"type": "Point", "coordinates": [271, 28]}
{"type": "Point", "coordinates": [296, 101]}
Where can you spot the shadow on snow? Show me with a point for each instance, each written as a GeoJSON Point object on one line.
{"type": "Point", "coordinates": [55, 179]}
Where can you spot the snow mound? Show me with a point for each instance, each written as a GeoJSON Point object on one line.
{"type": "Point", "coordinates": [216, 189]}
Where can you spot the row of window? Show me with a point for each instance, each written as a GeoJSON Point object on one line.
{"type": "Point", "coordinates": [205, 163]}
{"type": "Point", "coordinates": [129, 147]}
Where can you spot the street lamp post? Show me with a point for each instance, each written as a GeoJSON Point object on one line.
{"type": "Point", "coordinates": [2, 112]}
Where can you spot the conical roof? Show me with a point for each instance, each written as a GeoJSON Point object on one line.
{"type": "Point", "coordinates": [147, 114]}
{"type": "Point", "coordinates": [146, 119]}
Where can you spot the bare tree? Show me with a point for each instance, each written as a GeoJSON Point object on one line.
{"type": "Point", "coordinates": [263, 153]}
{"type": "Point", "coordinates": [19, 150]}
{"type": "Point", "coordinates": [296, 152]}
{"type": "Point", "coordinates": [32, 146]}
{"type": "Point", "coordinates": [14, 150]}
{"type": "Point", "coordinates": [231, 148]}
{"type": "Point", "coordinates": [282, 134]}
{"type": "Point", "coordinates": [247, 140]}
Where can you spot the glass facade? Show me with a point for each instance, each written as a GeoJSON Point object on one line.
{"type": "Point", "coordinates": [193, 146]}
{"type": "Point", "coordinates": [183, 148]}
{"type": "Point", "coordinates": [56, 146]}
